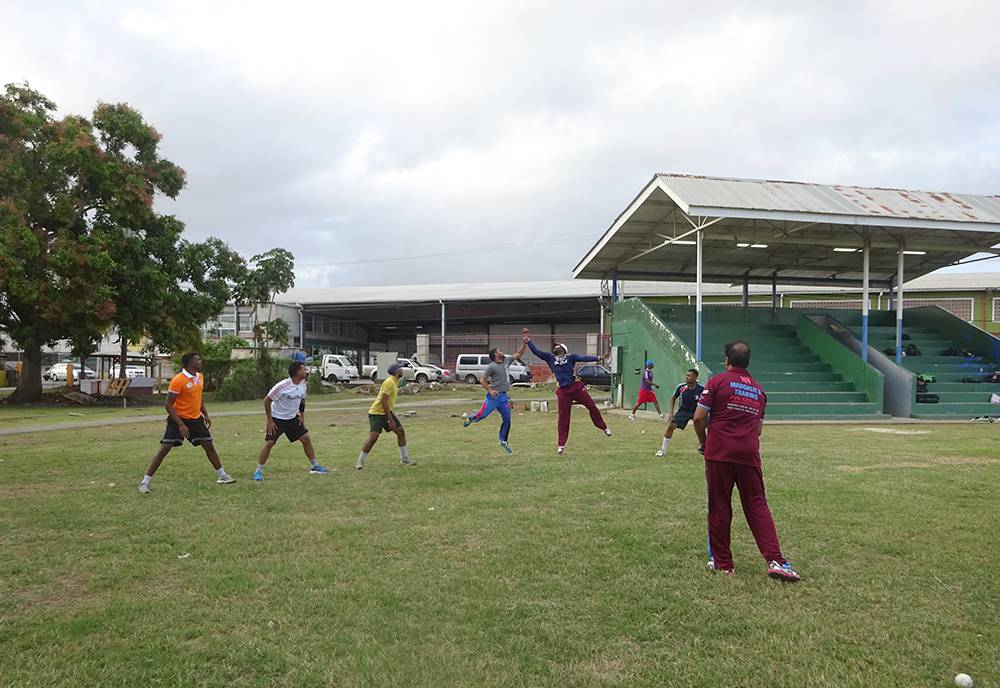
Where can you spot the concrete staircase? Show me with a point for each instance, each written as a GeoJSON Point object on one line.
{"type": "Point", "coordinates": [798, 384]}
{"type": "Point", "coordinates": [957, 399]}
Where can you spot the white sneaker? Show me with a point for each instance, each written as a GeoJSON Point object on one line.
{"type": "Point", "coordinates": [662, 416]}
{"type": "Point", "coordinates": [607, 431]}
{"type": "Point", "coordinates": [560, 450]}
{"type": "Point", "coordinates": [631, 416]}
{"type": "Point", "coordinates": [408, 462]}
{"type": "Point", "coordinates": [659, 452]}
{"type": "Point", "coordinates": [226, 480]}
{"type": "Point", "coordinates": [143, 488]}
{"type": "Point", "coordinates": [360, 464]}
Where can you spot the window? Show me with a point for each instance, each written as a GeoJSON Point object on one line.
{"type": "Point", "coordinates": [468, 360]}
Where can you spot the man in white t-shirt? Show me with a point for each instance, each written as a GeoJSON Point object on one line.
{"type": "Point", "coordinates": [285, 408]}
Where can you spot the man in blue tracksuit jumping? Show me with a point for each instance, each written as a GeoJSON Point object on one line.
{"type": "Point", "coordinates": [496, 380]}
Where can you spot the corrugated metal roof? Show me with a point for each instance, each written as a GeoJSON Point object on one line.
{"type": "Point", "coordinates": [802, 197]}
{"type": "Point", "coordinates": [563, 289]}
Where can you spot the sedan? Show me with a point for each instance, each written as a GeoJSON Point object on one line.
{"type": "Point", "coordinates": [131, 371]}
{"type": "Point", "coordinates": [58, 372]}
{"type": "Point", "coordinates": [596, 375]}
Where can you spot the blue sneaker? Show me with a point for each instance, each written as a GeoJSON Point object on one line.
{"type": "Point", "coordinates": [506, 447]}
{"type": "Point", "coordinates": [316, 468]}
{"type": "Point", "coordinates": [258, 474]}
{"type": "Point", "coordinates": [466, 421]}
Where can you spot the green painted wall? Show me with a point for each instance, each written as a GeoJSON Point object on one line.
{"type": "Point", "coordinates": [841, 359]}
{"type": "Point", "coordinates": [642, 335]}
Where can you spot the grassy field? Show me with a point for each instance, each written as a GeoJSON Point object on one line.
{"type": "Point", "coordinates": [478, 569]}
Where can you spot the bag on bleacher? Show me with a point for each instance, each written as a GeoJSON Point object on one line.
{"type": "Point", "coordinates": [921, 386]}
{"type": "Point", "coordinates": [927, 377]}
{"type": "Point", "coordinates": [905, 336]}
{"type": "Point", "coordinates": [971, 380]}
{"type": "Point", "coordinates": [912, 350]}
{"type": "Point", "coordinates": [927, 398]}
{"type": "Point", "coordinates": [890, 351]}
{"type": "Point", "coordinates": [995, 398]}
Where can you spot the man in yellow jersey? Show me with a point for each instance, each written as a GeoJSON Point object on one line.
{"type": "Point", "coordinates": [382, 419]}
{"type": "Point", "coordinates": [187, 420]}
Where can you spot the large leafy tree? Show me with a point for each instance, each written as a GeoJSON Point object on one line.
{"type": "Point", "coordinates": [81, 246]}
{"type": "Point", "coordinates": [58, 197]}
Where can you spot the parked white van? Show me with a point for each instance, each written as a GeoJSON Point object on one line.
{"type": "Point", "coordinates": [470, 368]}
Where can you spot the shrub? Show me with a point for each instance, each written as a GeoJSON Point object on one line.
{"type": "Point", "coordinates": [252, 379]}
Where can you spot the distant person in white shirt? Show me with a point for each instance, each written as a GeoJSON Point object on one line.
{"type": "Point", "coordinates": [285, 408]}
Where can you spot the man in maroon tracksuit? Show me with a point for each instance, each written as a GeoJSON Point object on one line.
{"type": "Point", "coordinates": [732, 457]}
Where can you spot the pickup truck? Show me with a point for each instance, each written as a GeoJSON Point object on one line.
{"type": "Point", "coordinates": [337, 368]}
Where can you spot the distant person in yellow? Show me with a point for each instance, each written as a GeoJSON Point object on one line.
{"type": "Point", "coordinates": [382, 419]}
{"type": "Point", "coordinates": [187, 419]}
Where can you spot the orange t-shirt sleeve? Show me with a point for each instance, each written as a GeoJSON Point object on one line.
{"type": "Point", "coordinates": [176, 385]}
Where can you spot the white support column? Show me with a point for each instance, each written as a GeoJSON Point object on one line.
{"type": "Point", "coordinates": [899, 306]}
{"type": "Point", "coordinates": [443, 332]}
{"type": "Point", "coordinates": [864, 301]}
{"type": "Point", "coordinates": [697, 301]}
{"type": "Point", "coordinates": [600, 342]}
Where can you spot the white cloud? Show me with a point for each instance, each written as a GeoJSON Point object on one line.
{"type": "Point", "coordinates": [347, 130]}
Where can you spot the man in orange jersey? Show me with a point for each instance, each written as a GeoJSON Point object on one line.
{"type": "Point", "coordinates": [187, 420]}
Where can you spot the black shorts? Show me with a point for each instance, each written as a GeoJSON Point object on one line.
{"type": "Point", "coordinates": [379, 423]}
{"type": "Point", "coordinates": [198, 432]}
{"type": "Point", "coordinates": [292, 428]}
{"type": "Point", "coordinates": [682, 418]}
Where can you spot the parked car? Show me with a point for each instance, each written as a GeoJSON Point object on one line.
{"type": "Point", "coordinates": [58, 372]}
{"type": "Point", "coordinates": [446, 375]}
{"type": "Point", "coordinates": [593, 374]}
{"type": "Point", "coordinates": [131, 371]}
{"type": "Point", "coordinates": [336, 368]}
{"type": "Point", "coordinates": [418, 372]}
{"type": "Point", "coordinates": [370, 372]}
{"type": "Point", "coordinates": [470, 368]}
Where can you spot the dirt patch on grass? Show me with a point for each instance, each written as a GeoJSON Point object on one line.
{"type": "Point", "coordinates": [934, 463]}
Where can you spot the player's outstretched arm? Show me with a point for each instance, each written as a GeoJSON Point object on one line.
{"type": "Point", "coordinates": [521, 349]}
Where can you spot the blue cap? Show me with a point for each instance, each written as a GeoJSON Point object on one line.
{"type": "Point", "coordinates": [649, 364]}
{"type": "Point", "coordinates": [394, 368]}
{"type": "Point", "coordinates": [299, 356]}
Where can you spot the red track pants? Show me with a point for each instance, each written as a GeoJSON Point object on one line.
{"type": "Point", "coordinates": [575, 393]}
{"type": "Point", "coordinates": [721, 476]}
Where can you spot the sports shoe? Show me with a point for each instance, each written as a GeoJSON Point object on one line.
{"type": "Point", "coordinates": [226, 480]}
{"type": "Point", "coordinates": [711, 567]}
{"type": "Point", "coordinates": [143, 488]}
{"type": "Point", "coordinates": [631, 416]}
{"type": "Point", "coordinates": [783, 572]}
{"type": "Point", "coordinates": [506, 447]}
{"type": "Point", "coordinates": [258, 474]}
{"type": "Point", "coordinates": [466, 421]}
{"type": "Point", "coordinates": [316, 468]}
{"type": "Point", "coordinates": [560, 450]}
{"type": "Point", "coordinates": [659, 452]}
{"type": "Point", "coordinates": [662, 416]}
{"type": "Point", "coordinates": [701, 449]}
{"type": "Point", "coordinates": [360, 464]}
{"type": "Point", "coordinates": [408, 462]}
{"type": "Point", "coordinates": [607, 431]}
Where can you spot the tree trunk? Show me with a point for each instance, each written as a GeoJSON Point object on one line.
{"type": "Point", "coordinates": [29, 385]}
{"type": "Point", "coordinates": [81, 376]}
{"type": "Point", "coordinates": [124, 357]}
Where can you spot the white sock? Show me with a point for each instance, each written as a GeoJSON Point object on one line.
{"type": "Point", "coordinates": [362, 456]}
{"type": "Point", "coordinates": [403, 454]}
{"type": "Point", "coordinates": [221, 471]}
{"type": "Point", "coordinates": [666, 443]}
{"type": "Point", "coordinates": [146, 479]}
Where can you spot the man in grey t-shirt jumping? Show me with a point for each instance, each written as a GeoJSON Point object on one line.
{"type": "Point", "coordinates": [496, 380]}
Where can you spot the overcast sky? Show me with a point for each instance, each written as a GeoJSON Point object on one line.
{"type": "Point", "coordinates": [508, 135]}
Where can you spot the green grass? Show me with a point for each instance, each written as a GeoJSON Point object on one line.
{"type": "Point", "coordinates": [478, 569]}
